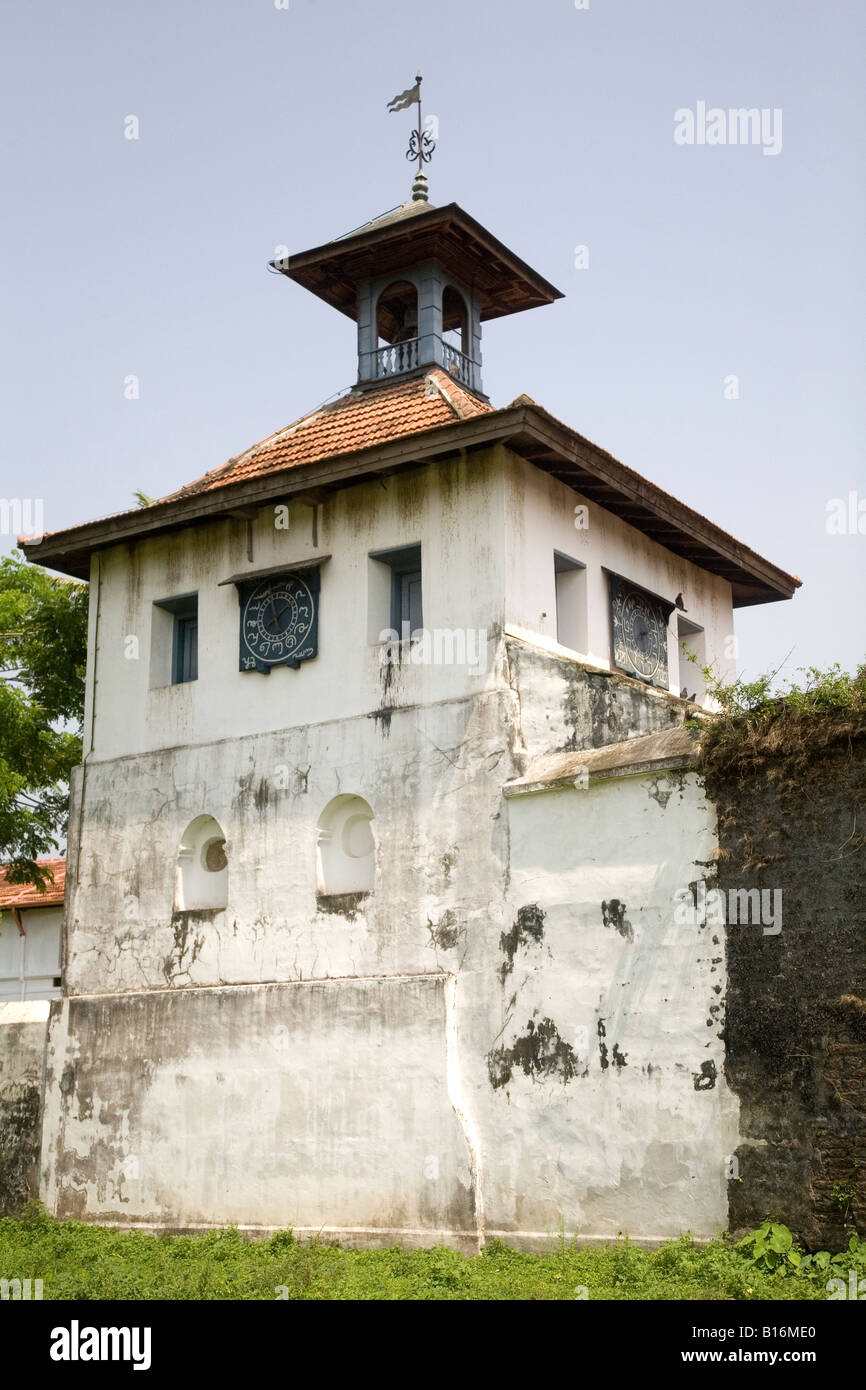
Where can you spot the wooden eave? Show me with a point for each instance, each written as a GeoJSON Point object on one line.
{"type": "Point", "coordinates": [526, 429]}
{"type": "Point", "coordinates": [504, 283]}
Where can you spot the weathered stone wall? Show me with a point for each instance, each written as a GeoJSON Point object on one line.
{"type": "Point", "coordinates": [323, 1105]}
{"type": "Point", "coordinates": [485, 1044]}
{"type": "Point", "coordinates": [565, 706]}
{"type": "Point", "coordinates": [607, 1109]}
{"type": "Point", "coordinates": [23, 1029]}
{"type": "Point", "coordinates": [796, 1003]}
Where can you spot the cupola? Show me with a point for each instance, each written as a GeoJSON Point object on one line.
{"type": "Point", "coordinates": [419, 282]}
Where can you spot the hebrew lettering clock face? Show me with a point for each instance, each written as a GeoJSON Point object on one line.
{"type": "Point", "coordinates": [643, 635]}
{"type": "Point", "coordinates": [639, 623]}
{"type": "Point", "coordinates": [278, 622]}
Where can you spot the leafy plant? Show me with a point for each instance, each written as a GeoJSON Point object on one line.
{"type": "Point", "coordinates": [837, 1266]}
{"type": "Point", "coordinates": [772, 1248]}
{"type": "Point", "coordinates": [756, 722]}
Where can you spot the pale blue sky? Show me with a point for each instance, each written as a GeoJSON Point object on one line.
{"type": "Point", "coordinates": [261, 127]}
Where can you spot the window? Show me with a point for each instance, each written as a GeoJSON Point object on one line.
{"type": "Point", "coordinates": [691, 638]}
{"type": "Point", "coordinates": [201, 882]}
{"type": "Point", "coordinates": [395, 593]}
{"type": "Point", "coordinates": [345, 848]}
{"type": "Point", "coordinates": [570, 582]}
{"type": "Point", "coordinates": [174, 640]}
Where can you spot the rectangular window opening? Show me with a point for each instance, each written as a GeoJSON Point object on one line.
{"type": "Point", "coordinates": [691, 640]}
{"type": "Point", "coordinates": [174, 640]}
{"type": "Point", "coordinates": [395, 601]}
{"type": "Point", "coordinates": [570, 585]}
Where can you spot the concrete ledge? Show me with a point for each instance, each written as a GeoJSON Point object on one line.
{"type": "Point", "coordinates": [634, 757]}
{"type": "Point", "coordinates": [25, 1011]}
{"type": "Point", "coordinates": [386, 1237]}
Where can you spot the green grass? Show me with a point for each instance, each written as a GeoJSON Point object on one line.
{"type": "Point", "coordinates": [77, 1261]}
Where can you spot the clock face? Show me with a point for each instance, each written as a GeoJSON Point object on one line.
{"type": "Point", "coordinates": [279, 622]}
{"type": "Point", "coordinates": [643, 635]}
{"type": "Point", "coordinates": [640, 632]}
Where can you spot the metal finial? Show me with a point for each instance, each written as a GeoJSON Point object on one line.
{"type": "Point", "coordinates": [421, 143]}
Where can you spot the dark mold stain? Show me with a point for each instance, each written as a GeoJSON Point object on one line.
{"type": "Point", "coordinates": [705, 1079]}
{"type": "Point", "coordinates": [449, 859]}
{"type": "Point", "coordinates": [447, 931]}
{"type": "Point", "coordinates": [187, 944]}
{"type": "Point", "coordinates": [528, 927]}
{"type": "Point", "coordinates": [341, 904]}
{"type": "Point", "coordinates": [540, 1052]}
{"type": "Point", "coordinates": [613, 915]}
{"type": "Point", "coordinates": [602, 1045]}
{"type": "Point", "coordinates": [20, 1106]}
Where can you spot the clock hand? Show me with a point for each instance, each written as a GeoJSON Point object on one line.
{"type": "Point", "coordinates": [275, 616]}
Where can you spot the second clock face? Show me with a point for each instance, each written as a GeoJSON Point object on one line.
{"type": "Point", "coordinates": [644, 636]}
{"type": "Point", "coordinates": [639, 623]}
{"type": "Point", "coordinates": [277, 623]}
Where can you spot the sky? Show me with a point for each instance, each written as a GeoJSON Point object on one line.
{"type": "Point", "coordinates": [713, 331]}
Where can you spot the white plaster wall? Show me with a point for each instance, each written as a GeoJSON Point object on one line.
{"type": "Point", "coordinates": [311, 1105]}
{"type": "Point", "coordinates": [455, 510]}
{"type": "Point", "coordinates": [29, 964]}
{"type": "Point", "coordinates": [488, 525]}
{"type": "Point", "coordinates": [632, 1147]}
{"type": "Point", "coordinates": [539, 514]}
{"type": "Point", "coordinates": [432, 777]}
{"type": "Point", "coordinates": [355, 1084]}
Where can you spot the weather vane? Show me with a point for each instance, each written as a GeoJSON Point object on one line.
{"type": "Point", "coordinates": [421, 143]}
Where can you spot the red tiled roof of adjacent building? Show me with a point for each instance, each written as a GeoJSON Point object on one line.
{"type": "Point", "coordinates": [28, 895]}
{"type": "Point", "coordinates": [359, 420]}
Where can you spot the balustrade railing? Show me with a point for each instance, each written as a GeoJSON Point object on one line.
{"type": "Point", "coordinates": [404, 357]}
{"type": "Point", "coordinates": [457, 363]}
{"type": "Point", "coordinates": [396, 358]}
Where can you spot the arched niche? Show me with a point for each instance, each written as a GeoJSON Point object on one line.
{"type": "Point", "coordinates": [202, 876]}
{"type": "Point", "coordinates": [397, 313]}
{"type": "Point", "coordinates": [345, 847]}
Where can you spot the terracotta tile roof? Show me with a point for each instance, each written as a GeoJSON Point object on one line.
{"type": "Point", "coordinates": [26, 895]}
{"type": "Point", "coordinates": [358, 420]}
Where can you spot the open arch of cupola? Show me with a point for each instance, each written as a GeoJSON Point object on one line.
{"type": "Point", "coordinates": [397, 313]}
{"type": "Point", "coordinates": [455, 319]}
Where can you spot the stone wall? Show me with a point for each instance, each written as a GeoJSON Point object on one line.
{"type": "Point", "coordinates": [796, 1002]}
{"type": "Point", "coordinates": [22, 1046]}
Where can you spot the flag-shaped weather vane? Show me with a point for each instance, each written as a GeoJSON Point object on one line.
{"type": "Point", "coordinates": [421, 143]}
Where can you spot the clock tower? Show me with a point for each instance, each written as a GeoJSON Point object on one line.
{"type": "Point", "coordinates": [350, 947]}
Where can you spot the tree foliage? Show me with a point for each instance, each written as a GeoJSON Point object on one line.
{"type": "Point", "coordinates": [43, 643]}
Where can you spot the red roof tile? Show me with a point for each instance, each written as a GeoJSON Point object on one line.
{"type": "Point", "coordinates": [359, 420]}
{"type": "Point", "coordinates": [27, 895]}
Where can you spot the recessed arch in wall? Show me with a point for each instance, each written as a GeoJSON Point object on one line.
{"type": "Point", "coordinates": [202, 876]}
{"type": "Point", "coordinates": [345, 847]}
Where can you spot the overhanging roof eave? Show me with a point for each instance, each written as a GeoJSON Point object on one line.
{"type": "Point", "coordinates": [527, 429]}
